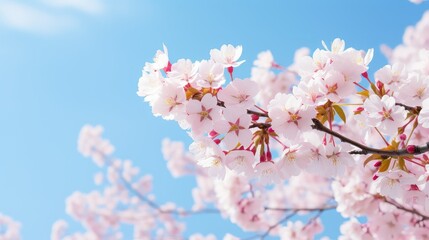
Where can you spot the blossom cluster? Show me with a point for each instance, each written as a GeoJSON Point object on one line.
{"type": "Point", "coordinates": [231, 132]}
{"type": "Point", "coordinates": [322, 116]}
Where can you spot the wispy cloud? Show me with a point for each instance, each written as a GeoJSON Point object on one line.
{"type": "Point", "coordinates": [27, 18]}
{"type": "Point", "coordinates": [86, 6]}
{"type": "Point", "coordinates": [47, 16]}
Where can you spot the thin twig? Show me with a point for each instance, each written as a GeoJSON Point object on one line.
{"type": "Point", "coordinates": [408, 108]}
{"type": "Point", "coordinates": [301, 209]}
{"type": "Point", "coordinates": [256, 113]}
{"type": "Point", "coordinates": [369, 150]}
{"type": "Point", "coordinates": [413, 211]}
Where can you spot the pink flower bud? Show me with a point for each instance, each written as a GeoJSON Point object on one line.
{"type": "Point", "coordinates": [213, 133]}
{"type": "Point", "coordinates": [269, 156]}
{"type": "Point", "coordinates": [380, 85]}
{"type": "Point", "coordinates": [255, 117]}
{"type": "Point", "coordinates": [358, 110]}
{"type": "Point", "coordinates": [377, 164]}
{"type": "Point", "coordinates": [168, 67]}
{"type": "Point", "coordinates": [217, 141]}
{"type": "Point", "coordinates": [411, 148]}
{"type": "Point", "coordinates": [262, 158]}
{"type": "Point", "coordinates": [403, 137]}
{"type": "Point", "coordinates": [374, 177]}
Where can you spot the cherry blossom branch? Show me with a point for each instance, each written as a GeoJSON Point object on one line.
{"type": "Point", "coordinates": [265, 234]}
{"type": "Point", "coordinates": [260, 125]}
{"type": "Point", "coordinates": [155, 206]}
{"type": "Point", "coordinates": [293, 212]}
{"type": "Point", "coordinates": [257, 113]}
{"type": "Point", "coordinates": [408, 108]}
{"type": "Point", "coordinates": [222, 104]}
{"type": "Point", "coordinates": [301, 209]}
{"type": "Point", "coordinates": [413, 211]}
{"type": "Point", "coordinates": [365, 149]}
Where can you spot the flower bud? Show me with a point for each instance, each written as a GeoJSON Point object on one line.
{"type": "Point", "coordinates": [380, 85]}
{"type": "Point", "coordinates": [213, 133]}
{"type": "Point", "coordinates": [411, 148]}
{"type": "Point", "coordinates": [377, 164]}
{"type": "Point", "coordinates": [255, 117]}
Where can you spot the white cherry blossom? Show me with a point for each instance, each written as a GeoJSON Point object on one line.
{"type": "Point", "coordinates": [424, 114]}
{"type": "Point", "coordinates": [160, 60]}
{"type": "Point", "coordinates": [228, 55]}
{"type": "Point", "coordinates": [210, 74]}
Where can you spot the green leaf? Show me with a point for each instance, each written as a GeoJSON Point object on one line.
{"type": "Point", "coordinates": [340, 112]}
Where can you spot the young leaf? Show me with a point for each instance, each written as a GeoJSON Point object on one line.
{"type": "Point", "coordinates": [340, 112]}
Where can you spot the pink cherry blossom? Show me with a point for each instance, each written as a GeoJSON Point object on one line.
{"type": "Point", "coordinates": [289, 115]}
{"type": "Point", "coordinates": [393, 76]}
{"type": "Point", "coordinates": [239, 93]}
{"type": "Point", "coordinates": [293, 160]}
{"type": "Point", "coordinates": [235, 126]}
{"type": "Point", "coordinates": [240, 161]}
{"type": "Point", "coordinates": [394, 183]}
{"type": "Point", "coordinates": [267, 172]}
{"type": "Point", "coordinates": [228, 55]}
{"type": "Point", "coordinates": [171, 102]}
{"type": "Point", "coordinates": [184, 71]}
{"type": "Point", "coordinates": [384, 114]}
{"type": "Point", "coordinates": [202, 114]}
{"type": "Point", "coordinates": [414, 94]}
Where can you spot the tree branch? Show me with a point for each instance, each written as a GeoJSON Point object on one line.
{"type": "Point", "coordinates": [368, 150]}
{"type": "Point", "coordinates": [301, 209]}
{"type": "Point", "coordinates": [413, 211]}
{"type": "Point", "coordinates": [408, 108]}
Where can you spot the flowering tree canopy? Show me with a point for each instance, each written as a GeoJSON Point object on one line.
{"type": "Point", "coordinates": [272, 152]}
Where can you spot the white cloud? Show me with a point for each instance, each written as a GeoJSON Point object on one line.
{"type": "Point", "coordinates": [49, 16]}
{"type": "Point", "coordinates": [23, 17]}
{"type": "Point", "coordinates": [86, 6]}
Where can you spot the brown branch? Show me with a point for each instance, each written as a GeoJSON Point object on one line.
{"type": "Point", "coordinates": [265, 234]}
{"type": "Point", "coordinates": [413, 211]}
{"type": "Point", "coordinates": [293, 212]}
{"type": "Point", "coordinates": [301, 209]}
{"type": "Point", "coordinates": [260, 125]}
{"type": "Point", "coordinates": [155, 206]}
{"type": "Point", "coordinates": [408, 108]}
{"type": "Point", "coordinates": [257, 113]}
{"type": "Point", "coordinates": [368, 150]}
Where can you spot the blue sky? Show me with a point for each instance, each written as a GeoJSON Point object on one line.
{"type": "Point", "coordinates": [66, 64]}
